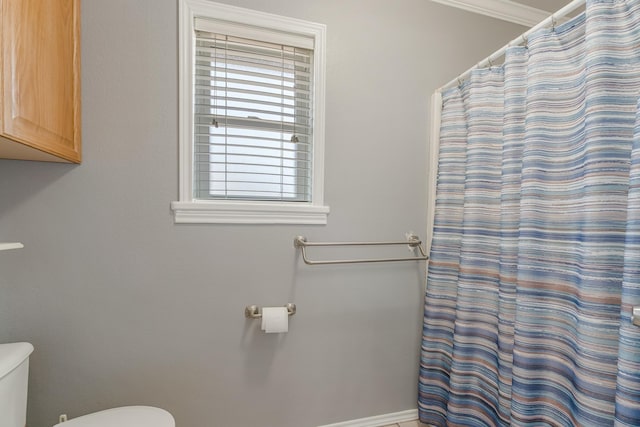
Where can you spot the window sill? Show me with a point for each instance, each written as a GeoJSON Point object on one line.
{"type": "Point", "coordinates": [232, 212]}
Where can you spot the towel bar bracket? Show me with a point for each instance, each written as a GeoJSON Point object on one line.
{"type": "Point", "coordinates": [635, 316]}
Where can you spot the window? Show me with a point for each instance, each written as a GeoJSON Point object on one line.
{"type": "Point", "coordinates": [252, 127]}
{"type": "Point", "coordinates": [251, 117]}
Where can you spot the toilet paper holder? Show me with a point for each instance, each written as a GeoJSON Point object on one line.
{"type": "Point", "coordinates": [255, 312]}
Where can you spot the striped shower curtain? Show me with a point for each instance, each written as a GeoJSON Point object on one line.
{"type": "Point", "coordinates": [535, 260]}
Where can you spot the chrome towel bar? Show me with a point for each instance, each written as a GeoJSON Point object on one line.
{"type": "Point", "coordinates": [412, 241]}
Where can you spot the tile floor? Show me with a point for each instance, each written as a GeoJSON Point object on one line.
{"type": "Point", "coordinates": [408, 424]}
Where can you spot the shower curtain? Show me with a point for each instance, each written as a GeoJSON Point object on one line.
{"type": "Point", "coordinates": [535, 259]}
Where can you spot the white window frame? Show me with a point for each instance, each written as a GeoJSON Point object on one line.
{"type": "Point", "coordinates": [190, 210]}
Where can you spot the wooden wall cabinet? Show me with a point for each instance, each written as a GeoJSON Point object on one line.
{"type": "Point", "coordinates": [40, 80]}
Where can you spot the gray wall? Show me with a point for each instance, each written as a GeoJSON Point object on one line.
{"type": "Point", "coordinates": [124, 307]}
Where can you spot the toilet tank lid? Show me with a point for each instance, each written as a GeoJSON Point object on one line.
{"type": "Point", "coordinates": [12, 355]}
{"type": "Point", "coordinates": [127, 416]}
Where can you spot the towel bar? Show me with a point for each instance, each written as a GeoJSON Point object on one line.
{"type": "Point", "coordinates": [412, 241]}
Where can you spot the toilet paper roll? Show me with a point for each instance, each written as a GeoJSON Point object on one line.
{"type": "Point", "coordinates": [275, 320]}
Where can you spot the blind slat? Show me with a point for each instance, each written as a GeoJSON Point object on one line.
{"type": "Point", "coordinates": [256, 163]}
{"type": "Point", "coordinates": [229, 83]}
{"type": "Point", "coordinates": [249, 123]}
{"type": "Point", "coordinates": [219, 71]}
{"type": "Point", "coordinates": [231, 146]}
{"type": "Point", "coordinates": [235, 95]}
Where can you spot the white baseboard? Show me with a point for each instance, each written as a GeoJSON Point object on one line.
{"type": "Point", "coordinates": [379, 420]}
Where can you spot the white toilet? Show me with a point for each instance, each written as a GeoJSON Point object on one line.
{"type": "Point", "coordinates": [14, 372]}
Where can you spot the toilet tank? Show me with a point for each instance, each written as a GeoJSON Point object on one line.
{"type": "Point", "coordinates": [14, 373]}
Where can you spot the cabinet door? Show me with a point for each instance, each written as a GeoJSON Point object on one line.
{"type": "Point", "coordinates": [41, 75]}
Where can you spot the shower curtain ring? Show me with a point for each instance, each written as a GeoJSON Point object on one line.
{"type": "Point", "coordinates": [553, 23]}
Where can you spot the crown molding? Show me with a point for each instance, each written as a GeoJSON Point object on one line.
{"type": "Point", "coordinates": [505, 10]}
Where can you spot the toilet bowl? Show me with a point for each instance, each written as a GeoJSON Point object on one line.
{"type": "Point", "coordinates": [127, 416]}
{"type": "Point", "coordinates": [14, 372]}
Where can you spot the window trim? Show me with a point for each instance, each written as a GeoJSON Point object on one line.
{"type": "Point", "coordinates": [190, 210]}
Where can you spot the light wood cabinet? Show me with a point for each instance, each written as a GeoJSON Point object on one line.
{"type": "Point", "coordinates": [40, 80]}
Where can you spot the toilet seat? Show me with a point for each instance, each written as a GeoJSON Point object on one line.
{"type": "Point", "coordinates": [127, 416]}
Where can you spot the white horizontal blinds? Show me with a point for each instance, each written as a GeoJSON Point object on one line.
{"type": "Point", "coordinates": [253, 127]}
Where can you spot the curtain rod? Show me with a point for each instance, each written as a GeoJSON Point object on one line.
{"type": "Point", "coordinates": [521, 39]}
